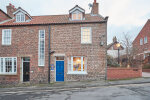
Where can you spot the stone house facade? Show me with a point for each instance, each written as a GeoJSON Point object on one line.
{"type": "Point", "coordinates": [53, 48]}
{"type": "Point", "coordinates": [141, 44]}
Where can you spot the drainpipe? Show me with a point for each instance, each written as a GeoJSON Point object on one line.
{"type": "Point", "coordinates": [49, 50]}
{"type": "Point", "coordinates": [106, 18]}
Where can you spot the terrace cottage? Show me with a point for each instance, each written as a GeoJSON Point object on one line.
{"type": "Point", "coordinates": [52, 48]}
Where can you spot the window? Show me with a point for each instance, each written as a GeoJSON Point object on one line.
{"type": "Point", "coordinates": [41, 51]}
{"type": "Point", "coordinates": [6, 36]}
{"type": "Point", "coordinates": [77, 65]}
{"type": "Point", "coordinates": [86, 35]}
{"type": "Point", "coordinates": [20, 17]}
{"type": "Point", "coordinates": [77, 15]}
{"type": "Point", "coordinates": [145, 40]}
{"type": "Point", "coordinates": [8, 65]}
{"type": "Point", "coordinates": [141, 41]}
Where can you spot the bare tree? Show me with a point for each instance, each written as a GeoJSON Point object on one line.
{"type": "Point", "coordinates": [127, 43]}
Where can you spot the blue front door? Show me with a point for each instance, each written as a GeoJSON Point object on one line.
{"type": "Point", "coordinates": [59, 71]}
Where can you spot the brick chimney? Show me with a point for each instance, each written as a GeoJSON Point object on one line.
{"type": "Point", "coordinates": [95, 8]}
{"type": "Point", "coordinates": [114, 39]}
{"type": "Point", "coordinates": [10, 10]}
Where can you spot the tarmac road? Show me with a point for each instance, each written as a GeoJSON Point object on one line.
{"type": "Point", "coordinates": [117, 92]}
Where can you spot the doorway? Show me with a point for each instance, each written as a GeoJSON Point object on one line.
{"type": "Point", "coordinates": [26, 69]}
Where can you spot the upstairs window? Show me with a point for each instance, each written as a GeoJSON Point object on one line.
{"type": "Point", "coordinates": [77, 16]}
{"type": "Point", "coordinates": [41, 51]}
{"type": "Point", "coordinates": [86, 35]}
{"type": "Point", "coordinates": [77, 13]}
{"type": "Point", "coordinates": [141, 41]}
{"type": "Point", "coordinates": [6, 37]}
{"type": "Point", "coordinates": [20, 17]}
{"type": "Point", "coordinates": [145, 40]}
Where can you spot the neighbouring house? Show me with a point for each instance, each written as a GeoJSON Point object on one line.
{"type": "Point", "coordinates": [53, 48]}
{"type": "Point", "coordinates": [141, 44]}
{"type": "Point", "coordinates": [112, 49]}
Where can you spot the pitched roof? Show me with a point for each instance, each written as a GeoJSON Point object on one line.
{"type": "Point", "coordinates": [23, 11]}
{"type": "Point", "coordinates": [5, 13]}
{"type": "Point", "coordinates": [75, 8]}
{"type": "Point", "coordinates": [55, 19]}
{"type": "Point", "coordinates": [147, 23]}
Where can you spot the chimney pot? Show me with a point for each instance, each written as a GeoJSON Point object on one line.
{"type": "Point", "coordinates": [94, 1]}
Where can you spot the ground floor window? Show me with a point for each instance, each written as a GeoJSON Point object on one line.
{"type": "Point", "coordinates": [77, 65]}
{"type": "Point", "coordinates": [8, 65]}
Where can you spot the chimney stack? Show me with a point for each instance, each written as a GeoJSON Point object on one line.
{"type": "Point", "coordinates": [10, 10]}
{"type": "Point", "coordinates": [95, 8]}
{"type": "Point", "coordinates": [114, 39]}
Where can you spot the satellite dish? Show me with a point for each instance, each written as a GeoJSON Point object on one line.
{"type": "Point", "coordinates": [90, 5]}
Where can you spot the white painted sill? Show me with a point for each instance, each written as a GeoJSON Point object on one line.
{"type": "Point", "coordinates": [79, 73]}
{"type": "Point", "coordinates": [1, 74]}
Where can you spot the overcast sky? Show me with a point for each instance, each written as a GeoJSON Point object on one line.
{"type": "Point", "coordinates": [125, 16]}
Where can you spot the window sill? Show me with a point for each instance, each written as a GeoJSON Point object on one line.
{"type": "Point", "coordinates": [86, 43]}
{"type": "Point", "coordinates": [41, 65]}
{"type": "Point", "coordinates": [80, 73]}
{"type": "Point", "coordinates": [8, 74]}
{"type": "Point", "coordinates": [6, 44]}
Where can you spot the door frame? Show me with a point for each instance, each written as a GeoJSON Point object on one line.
{"type": "Point", "coordinates": [55, 65]}
{"type": "Point", "coordinates": [22, 67]}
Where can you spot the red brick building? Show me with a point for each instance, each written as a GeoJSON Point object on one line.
{"type": "Point", "coordinates": [141, 44]}
{"type": "Point", "coordinates": [38, 49]}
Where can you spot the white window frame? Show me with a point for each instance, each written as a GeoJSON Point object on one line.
{"type": "Point", "coordinates": [145, 40]}
{"type": "Point", "coordinates": [77, 15]}
{"type": "Point", "coordinates": [4, 31]}
{"type": "Point", "coordinates": [39, 53]}
{"type": "Point", "coordinates": [90, 42]}
{"type": "Point", "coordinates": [141, 41]}
{"type": "Point", "coordinates": [2, 59]}
{"type": "Point", "coordinates": [78, 72]}
{"type": "Point", "coordinates": [20, 17]}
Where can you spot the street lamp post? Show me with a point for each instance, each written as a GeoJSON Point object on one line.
{"type": "Point", "coordinates": [118, 46]}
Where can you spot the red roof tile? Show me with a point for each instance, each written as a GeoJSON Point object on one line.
{"type": "Point", "coordinates": [54, 19]}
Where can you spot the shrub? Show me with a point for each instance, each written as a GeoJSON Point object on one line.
{"type": "Point", "coordinates": [146, 66]}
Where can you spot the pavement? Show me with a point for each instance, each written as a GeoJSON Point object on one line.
{"type": "Point", "coordinates": [71, 85]}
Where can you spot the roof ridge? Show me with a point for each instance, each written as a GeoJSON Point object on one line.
{"type": "Point", "coordinates": [56, 15]}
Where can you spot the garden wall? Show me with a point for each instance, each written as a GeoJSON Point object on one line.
{"type": "Point", "coordinates": [123, 73]}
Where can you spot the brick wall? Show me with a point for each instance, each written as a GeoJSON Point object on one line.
{"type": "Point", "coordinates": [138, 49]}
{"type": "Point", "coordinates": [3, 16]}
{"type": "Point", "coordinates": [123, 73]}
{"type": "Point", "coordinates": [66, 39]}
{"type": "Point", "coordinates": [25, 44]}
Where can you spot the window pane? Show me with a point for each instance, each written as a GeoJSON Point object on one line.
{"type": "Point", "coordinates": [86, 35]}
{"type": "Point", "coordinates": [76, 63]}
{"type": "Point", "coordinates": [79, 16]}
{"type": "Point", "coordinates": [74, 16]}
{"type": "Point", "coordinates": [41, 47]}
{"type": "Point", "coordinates": [7, 37]}
{"type": "Point", "coordinates": [1, 65]}
{"type": "Point", "coordinates": [60, 58]}
{"type": "Point", "coordinates": [8, 64]}
{"type": "Point", "coordinates": [15, 68]}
